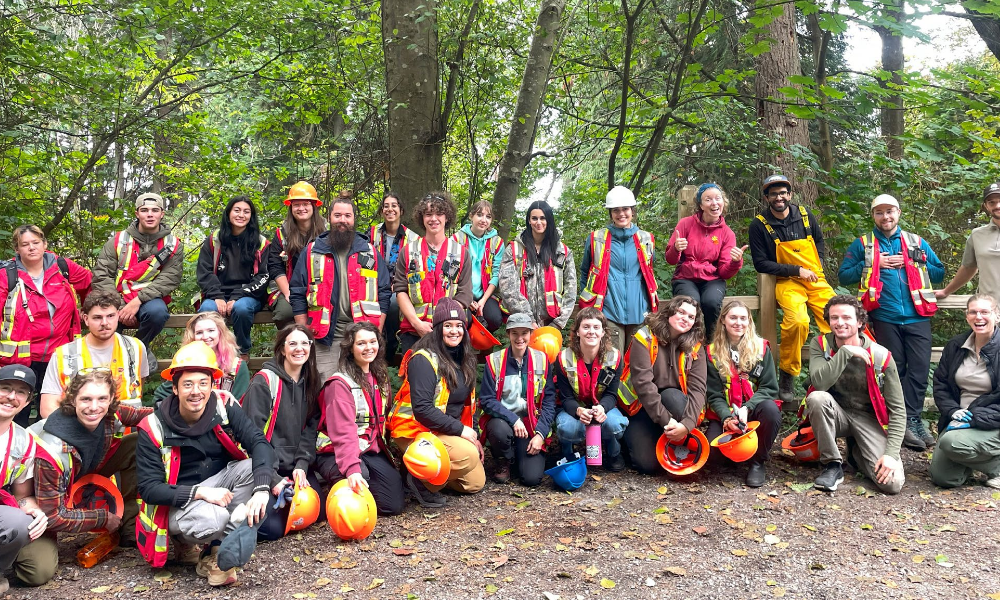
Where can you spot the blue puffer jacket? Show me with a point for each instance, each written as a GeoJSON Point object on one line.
{"type": "Point", "coordinates": [626, 302]}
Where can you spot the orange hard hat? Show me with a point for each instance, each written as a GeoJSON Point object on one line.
{"type": "Point", "coordinates": [802, 443]}
{"type": "Point", "coordinates": [686, 457]}
{"type": "Point", "coordinates": [427, 459]}
{"type": "Point", "coordinates": [304, 510]}
{"type": "Point", "coordinates": [303, 190]}
{"type": "Point", "coordinates": [481, 337]}
{"type": "Point", "coordinates": [738, 448]}
{"type": "Point", "coordinates": [193, 355]}
{"type": "Point", "coordinates": [549, 340]}
{"type": "Point", "coordinates": [96, 492]}
{"type": "Point", "coordinates": [351, 514]}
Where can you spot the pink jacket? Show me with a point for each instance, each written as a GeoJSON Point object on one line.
{"type": "Point", "coordinates": [341, 428]}
{"type": "Point", "coordinates": [707, 254]}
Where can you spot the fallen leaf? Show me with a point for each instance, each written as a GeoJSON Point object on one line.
{"type": "Point", "coordinates": [663, 489]}
{"type": "Point", "coordinates": [162, 576]}
{"type": "Point", "coordinates": [596, 477]}
{"type": "Point", "coordinates": [890, 583]}
{"type": "Point", "coordinates": [551, 596]}
{"type": "Point", "coordinates": [817, 567]}
{"type": "Point", "coordinates": [809, 527]}
{"type": "Point", "coordinates": [491, 589]}
{"type": "Point", "coordinates": [500, 561]}
{"type": "Point", "coordinates": [522, 505]}
{"type": "Point", "coordinates": [402, 551]}
{"type": "Point", "coordinates": [566, 540]}
{"type": "Point", "coordinates": [506, 531]}
{"type": "Point", "coordinates": [376, 582]}
{"type": "Point", "coordinates": [946, 528]}
{"type": "Point", "coordinates": [140, 588]}
{"type": "Point", "coordinates": [799, 487]}
{"type": "Point", "coordinates": [676, 571]}
{"type": "Point", "coordinates": [917, 558]}
{"type": "Point", "coordinates": [607, 584]}
{"type": "Point", "coordinates": [778, 592]}
{"type": "Point", "coordinates": [700, 530]}
{"type": "Point", "coordinates": [739, 552]}
{"type": "Point", "coordinates": [770, 528]}
{"type": "Point", "coordinates": [100, 589]}
{"type": "Point", "coordinates": [346, 588]}
{"type": "Point", "coordinates": [322, 581]}
{"type": "Point", "coordinates": [771, 539]}
{"type": "Point", "coordinates": [867, 526]}
{"type": "Point", "coordinates": [297, 558]}
{"type": "Point", "coordinates": [591, 571]}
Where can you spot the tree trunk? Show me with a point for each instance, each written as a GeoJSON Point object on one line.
{"type": "Point", "coordinates": [773, 69]}
{"type": "Point", "coordinates": [892, 117]}
{"type": "Point", "coordinates": [988, 28]}
{"type": "Point", "coordinates": [529, 101]}
{"type": "Point", "coordinates": [410, 44]}
{"type": "Point", "coordinates": [821, 45]}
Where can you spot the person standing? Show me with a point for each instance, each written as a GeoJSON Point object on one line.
{"type": "Point", "coordinates": [143, 264]}
{"type": "Point", "coordinates": [894, 270]}
{"type": "Point", "coordinates": [303, 223]}
{"type": "Point", "coordinates": [786, 241]}
{"type": "Point", "coordinates": [981, 255]}
{"type": "Point", "coordinates": [485, 249]}
{"type": "Point", "coordinates": [389, 237]}
{"type": "Point", "coordinates": [340, 279]}
{"type": "Point", "coordinates": [618, 268]}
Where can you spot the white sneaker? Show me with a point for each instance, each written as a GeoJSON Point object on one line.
{"type": "Point", "coordinates": [993, 482]}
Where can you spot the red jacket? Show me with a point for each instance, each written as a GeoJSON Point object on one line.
{"type": "Point", "coordinates": [707, 254]}
{"type": "Point", "coordinates": [46, 333]}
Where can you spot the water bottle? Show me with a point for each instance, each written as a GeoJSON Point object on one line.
{"type": "Point", "coordinates": [97, 549]}
{"type": "Point", "coordinates": [594, 457]}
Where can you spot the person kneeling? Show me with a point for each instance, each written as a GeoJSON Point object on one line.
{"type": "Point", "coordinates": [856, 394]}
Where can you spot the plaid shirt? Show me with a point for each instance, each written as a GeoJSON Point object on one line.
{"type": "Point", "coordinates": [52, 487]}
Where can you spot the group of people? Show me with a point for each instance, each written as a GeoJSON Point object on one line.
{"type": "Point", "coordinates": [209, 469]}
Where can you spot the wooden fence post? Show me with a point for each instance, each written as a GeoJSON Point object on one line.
{"type": "Point", "coordinates": [685, 201]}
{"type": "Point", "coordinates": [768, 309]}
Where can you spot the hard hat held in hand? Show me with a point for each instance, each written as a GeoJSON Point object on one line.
{"type": "Point", "coordinates": [738, 448]}
{"type": "Point", "coordinates": [352, 515]}
{"type": "Point", "coordinates": [304, 511]}
{"type": "Point", "coordinates": [427, 459]}
{"type": "Point", "coordinates": [686, 457]}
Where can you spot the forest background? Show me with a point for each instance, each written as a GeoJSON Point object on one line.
{"type": "Point", "coordinates": [502, 100]}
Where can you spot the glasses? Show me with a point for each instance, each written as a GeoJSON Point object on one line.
{"type": "Point", "coordinates": [89, 370]}
{"type": "Point", "coordinates": [781, 194]}
{"type": "Point", "coordinates": [979, 313]}
{"type": "Point", "coordinates": [19, 393]}
{"type": "Point", "coordinates": [189, 386]}
{"type": "Point", "coordinates": [885, 213]}
{"type": "Point", "coordinates": [292, 345]}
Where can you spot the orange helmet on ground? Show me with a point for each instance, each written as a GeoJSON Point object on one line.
{"type": "Point", "coordinates": [304, 510]}
{"type": "Point", "coordinates": [684, 458]}
{"type": "Point", "coordinates": [351, 514]}
{"type": "Point", "coordinates": [302, 190]}
{"type": "Point", "coordinates": [549, 340]}
{"type": "Point", "coordinates": [96, 492]}
{"type": "Point", "coordinates": [802, 443]}
{"type": "Point", "coordinates": [193, 355]}
{"type": "Point", "coordinates": [738, 448]}
{"type": "Point", "coordinates": [427, 459]}
{"type": "Point", "coordinates": [480, 337]}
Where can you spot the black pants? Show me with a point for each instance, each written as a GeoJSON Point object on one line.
{"type": "Point", "coordinates": [492, 315]}
{"type": "Point", "coordinates": [769, 415]}
{"type": "Point", "coordinates": [273, 527]}
{"type": "Point", "coordinates": [642, 433]}
{"type": "Point", "coordinates": [910, 346]}
{"type": "Point", "coordinates": [406, 341]}
{"type": "Point", "coordinates": [383, 479]}
{"type": "Point", "coordinates": [504, 444]}
{"type": "Point", "coordinates": [391, 327]}
{"type": "Point", "coordinates": [37, 367]}
{"type": "Point", "coordinates": [709, 295]}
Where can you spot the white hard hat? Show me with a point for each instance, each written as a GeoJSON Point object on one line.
{"type": "Point", "coordinates": [619, 196]}
{"type": "Point", "coordinates": [884, 200]}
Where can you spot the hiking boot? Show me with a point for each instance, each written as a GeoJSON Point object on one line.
{"type": "Point", "coordinates": [208, 557]}
{"type": "Point", "coordinates": [424, 496]}
{"type": "Point", "coordinates": [786, 387]}
{"type": "Point", "coordinates": [921, 431]}
{"type": "Point", "coordinates": [4, 585]}
{"type": "Point", "coordinates": [217, 577]}
{"type": "Point", "coordinates": [830, 478]}
{"type": "Point", "coordinates": [911, 436]}
{"type": "Point", "coordinates": [501, 470]}
{"type": "Point", "coordinates": [614, 464]}
{"type": "Point", "coordinates": [187, 554]}
{"type": "Point", "coordinates": [757, 475]}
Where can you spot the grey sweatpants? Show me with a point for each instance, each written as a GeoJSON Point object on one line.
{"type": "Point", "coordinates": [199, 521]}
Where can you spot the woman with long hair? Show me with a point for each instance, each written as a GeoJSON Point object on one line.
{"type": "Point", "coordinates": [303, 223]}
{"type": "Point", "coordinates": [281, 401]}
{"type": "Point", "coordinates": [353, 404]}
{"type": "Point", "coordinates": [664, 393]}
{"type": "Point", "coordinates": [537, 274]}
{"type": "Point", "coordinates": [485, 248]}
{"type": "Point", "coordinates": [389, 237]}
{"type": "Point", "coordinates": [704, 249]}
{"type": "Point", "coordinates": [967, 394]}
{"type": "Point", "coordinates": [587, 385]}
{"type": "Point", "coordinates": [742, 385]}
{"type": "Point", "coordinates": [232, 269]}
{"type": "Point", "coordinates": [438, 396]}
{"type": "Point", "coordinates": [211, 328]}
{"type": "Point", "coordinates": [42, 306]}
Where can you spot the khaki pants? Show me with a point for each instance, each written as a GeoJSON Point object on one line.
{"type": "Point", "coordinates": [327, 358]}
{"type": "Point", "coordinates": [829, 421]}
{"type": "Point", "coordinates": [621, 335]}
{"type": "Point", "coordinates": [467, 473]}
{"type": "Point", "coordinates": [122, 464]}
{"type": "Point", "coordinates": [34, 562]}
{"type": "Point", "coordinates": [959, 452]}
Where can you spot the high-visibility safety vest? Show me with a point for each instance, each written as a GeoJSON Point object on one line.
{"type": "Point", "coordinates": [15, 340]}
{"type": "Point", "coordinates": [134, 274]}
{"type": "Point", "coordinates": [915, 262]}
{"type": "Point", "coordinates": [746, 383]}
{"type": "Point", "coordinates": [151, 526]}
{"type": "Point", "coordinates": [490, 249]}
{"type": "Point", "coordinates": [363, 404]}
{"type": "Point", "coordinates": [274, 387]}
{"type": "Point", "coordinates": [600, 265]}
{"type": "Point", "coordinates": [538, 371]}
{"type": "Point", "coordinates": [402, 423]}
{"type": "Point", "coordinates": [874, 375]}
{"type": "Point", "coordinates": [553, 275]}
{"type": "Point", "coordinates": [216, 248]}
{"type": "Point", "coordinates": [628, 400]}
{"type": "Point", "coordinates": [20, 448]}
{"type": "Point", "coordinates": [127, 358]}
{"type": "Point", "coordinates": [572, 365]}
{"type": "Point", "coordinates": [427, 288]}
{"type": "Point", "coordinates": [362, 288]}
{"type": "Point", "coordinates": [403, 236]}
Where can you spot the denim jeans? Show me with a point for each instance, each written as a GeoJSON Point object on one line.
{"type": "Point", "coordinates": [241, 318]}
{"type": "Point", "coordinates": [152, 316]}
{"type": "Point", "coordinates": [570, 430]}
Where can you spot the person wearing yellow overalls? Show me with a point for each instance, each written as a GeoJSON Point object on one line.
{"type": "Point", "coordinates": [786, 241]}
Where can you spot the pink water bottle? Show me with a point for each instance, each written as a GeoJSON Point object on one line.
{"type": "Point", "coordinates": [594, 457]}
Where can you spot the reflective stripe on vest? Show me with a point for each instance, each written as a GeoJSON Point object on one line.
{"type": "Point", "coordinates": [13, 326]}
{"type": "Point", "coordinates": [538, 369]}
{"type": "Point", "coordinates": [424, 291]}
{"type": "Point", "coordinates": [274, 387]}
{"type": "Point", "coordinates": [628, 400]}
{"type": "Point", "coordinates": [402, 423]}
{"type": "Point", "coordinates": [362, 288]}
{"type": "Point", "coordinates": [917, 278]}
{"type": "Point", "coordinates": [879, 356]}
{"type": "Point", "coordinates": [134, 274]}
{"type": "Point", "coordinates": [362, 416]}
{"type": "Point", "coordinates": [553, 277]}
{"type": "Point", "coordinates": [20, 448]}
{"type": "Point", "coordinates": [126, 359]}
{"type": "Point", "coordinates": [727, 376]}
{"type": "Point", "coordinates": [600, 266]}
{"type": "Point", "coordinates": [570, 364]}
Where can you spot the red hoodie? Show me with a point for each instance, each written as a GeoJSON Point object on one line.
{"type": "Point", "coordinates": [707, 254]}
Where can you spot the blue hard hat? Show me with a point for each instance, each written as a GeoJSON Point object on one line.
{"type": "Point", "coordinates": [569, 475]}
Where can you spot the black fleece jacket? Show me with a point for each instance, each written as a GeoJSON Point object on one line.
{"type": "Point", "coordinates": [234, 278]}
{"type": "Point", "coordinates": [947, 395]}
{"type": "Point", "coordinates": [423, 382]}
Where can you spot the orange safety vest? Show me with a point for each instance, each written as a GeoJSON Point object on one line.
{"type": "Point", "coordinates": [490, 249]}
{"type": "Point", "coordinates": [127, 359]}
{"type": "Point", "coordinates": [376, 234]}
{"type": "Point", "coordinates": [362, 288]}
{"type": "Point", "coordinates": [151, 526]}
{"type": "Point", "coordinates": [736, 395]}
{"type": "Point", "coordinates": [402, 423]}
{"type": "Point", "coordinates": [628, 400]}
{"type": "Point", "coordinates": [600, 265]}
{"type": "Point", "coordinates": [553, 275]}
{"type": "Point", "coordinates": [216, 248]}
{"type": "Point", "coordinates": [134, 274]}
{"type": "Point", "coordinates": [426, 288]}
{"type": "Point", "coordinates": [879, 356]}
{"type": "Point", "coordinates": [363, 412]}
{"type": "Point", "coordinates": [915, 261]}
{"type": "Point", "coordinates": [538, 368]}
{"type": "Point", "coordinates": [572, 365]}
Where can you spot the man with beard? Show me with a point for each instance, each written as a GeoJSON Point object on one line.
{"type": "Point", "coordinates": [339, 279]}
{"type": "Point", "coordinates": [894, 270]}
{"type": "Point", "coordinates": [102, 347]}
{"type": "Point", "coordinates": [786, 241]}
{"type": "Point", "coordinates": [856, 394]}
{"type": "Point", "coordinates": [981, 254]}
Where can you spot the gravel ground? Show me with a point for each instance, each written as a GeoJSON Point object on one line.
{"type": "Point", "coordinates": [621, 536]}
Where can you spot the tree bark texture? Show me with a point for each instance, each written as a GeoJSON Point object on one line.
{"type": "Point", "coordinates": [773, 69]}
{"type": "Point", "coordinates": [988, 28]}
{"type": "Point", "coordinates": [525, 121]}
{"type": "Point", "coordinates": [892, 115]}
{"type": "Point", "coordinates": [410, 44]}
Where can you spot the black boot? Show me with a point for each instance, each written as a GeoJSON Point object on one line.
{"type": "Point", "coordinates": [757, 475]}
{"type": "Point", "coordinates": [786, 387]}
